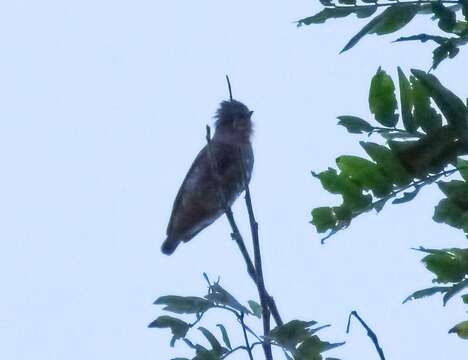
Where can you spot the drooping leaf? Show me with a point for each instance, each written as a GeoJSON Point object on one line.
{"type": "Point", "coordinates": [457, 191]}
{"type": "Point", "coordinates": [426, 292]}
{"type": "Point", "coordinates": [215, 345]}
{"type": "Point", "coordinates": [292, 333]}
{"type": "Point", "coordinates": [391, 20]}
{"type": "Point", "coordinates": [425, 115]}
{"type": "Point", "coordinates": [365, 173]}
{"type": "Point", "coordinates": [256, 308]}
{"type": "Point", "coordinates": [446, 50]}
{"type": "Point", "coordinates": [388, 162]}
{"type": "Point", "coordinates": [353, 198]}
{"type": "Point", "coordinates": [334, 13]}
{"type": "Point", "coordinates": [184, 304]}
{"type": "Point", "coordinates": [460, 329]}
{"type": "Point", "coordinates": [382, 100]}
{"type": "Point", "coordinates": [423, 38]}
{"type": "Point", "coordinates": [462, 165]}
{"type": "Point", "coordinates": [448, 212]}
{"type": "Point", "coordinates": [323, 218]}
{"type": "Point", "coordinates": [178, 327]}
{"type": "Point", "coordinates": [455, 289]}
{"type": "Point", "coordinates": [354, 124]}
{"type": "Point", "coordinates": [406, 102]}
{"type": "Point", "coordinates": [447, 18]}
{"type": "Point", "coordinates": [225, 335]}
{"type": "Point", "coordinates": [451, 105]}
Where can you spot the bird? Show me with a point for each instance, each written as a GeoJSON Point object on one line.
{"type": "Point", "coordinates": [217, 176]}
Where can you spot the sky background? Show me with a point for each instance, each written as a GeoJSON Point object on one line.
{"type": "Point", "coordinates": [103, 106]}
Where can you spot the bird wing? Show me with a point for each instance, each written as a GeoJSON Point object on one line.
{"type": "Point", "coordinates": [197, 169]}
{"type": "Point", "coordinates": [197, 203]}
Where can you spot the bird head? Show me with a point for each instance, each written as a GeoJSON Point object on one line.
{"type": "Point", "coordinates": [233, 121]}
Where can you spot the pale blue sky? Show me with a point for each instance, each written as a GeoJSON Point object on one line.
{"type": "Point", "coordinates": [103, 106]}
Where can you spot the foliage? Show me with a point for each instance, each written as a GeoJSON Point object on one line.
{"type": "Point", "coordinates": [421, 140]}
{"type": "Point", "coordinates": [296, 338]}
{"type": "Point", "coordinates": [396, 16]}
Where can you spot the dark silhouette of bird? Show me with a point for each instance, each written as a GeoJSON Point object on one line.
{"type": "Point", "coordinates": [225, 164]}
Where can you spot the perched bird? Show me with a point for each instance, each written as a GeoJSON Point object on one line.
{"type": "Point", "coordinates": [219, 166]}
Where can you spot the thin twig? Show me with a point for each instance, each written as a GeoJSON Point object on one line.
{"type": "Point", "coordinates": [370, 333]}
{"type": "Point", "coordinates": [240, 348]}
{"type": "Point", "coordinates": [246, 338]}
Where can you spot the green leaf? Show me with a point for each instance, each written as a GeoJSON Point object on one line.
{"type": "Point", "coordinates": [460, 329]}
{"type": "Point", "coordinates": [455, 289]}
{"type": "Point", "coordinates": [465, 9]}
{"type": "Point", "coordinates": [391, 20]}
{"type": "Point", "coordinates": [311, 348]}
{"type": "Point", "coordinates": [448, 212]}
{"type": "Point", "coordinates": [424, 114]}
{"type": "Point", "coordinates": [457, 191]}
{"type": "Point", "coordinates": [382, 100]}
{"type": "Point", "coordinates": [388, 162]}
{"type": "Point", "coordinates": [426, 292]}
{"type": "Point", "coordinates": [451, 265]}
{"type": "Point", "coordinates": [334, 13]}
{"type": "Point", "coordinates": [446, 50]}
{"type": "Point", "coordinates": [207, 355]}
{"type": "Point", "coordinates": [354, 124]}
{"type": "Point", "coordinates": [465, 299]}
{"type": "Point", "coordinates": [365, 173]}
{"type": "Point", "coordinates": [178, 327]}
{"type": "Point", "coordinates": [406, 102]}
{"type": "Point", "coordinates": [216, 346]}
{"type": "Point", "coordinates": [292, 333]}
{"type": "Point", "coordinates": [353, 198]}
{"type": "Point", "coordinates": [451, 105]}
{"type": "Point", "coordinates": [423, 38]}
{"type": "Point", "coordinates": [220, 296]}
{"type": "Point", "coordinates": [225, 335]}
{"type": "Point", "coordinates": [184, 304]}
{"type": "Point", "coordinates": [447, 18]}
{"type": "Point", "coordinates": [323, 219]}
{"type": "Point", "coordinates": [256, 308]}
{"type": "Point", "coordinates": [462, 166]}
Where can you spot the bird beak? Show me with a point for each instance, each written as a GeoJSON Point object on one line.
{"type": "Point", "coordinates": [250, 114]}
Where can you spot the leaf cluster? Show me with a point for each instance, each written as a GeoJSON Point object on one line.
{"type": "Point", "coordinates": [413, 156]}
{"type": "Point", "coordinates": [296, 338]}
{"type": "Point", "coordinates": [396, 15]}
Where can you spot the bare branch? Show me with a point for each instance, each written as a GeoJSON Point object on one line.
{"type": "Point", "coordinates": [370, 333]}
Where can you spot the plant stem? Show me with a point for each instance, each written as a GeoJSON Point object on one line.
{"type": "Point", "coordinates": [370, 333]}
{"type": "Point", "coordinates": [246, 338]}
{"type": "Point", "coordinates": [255, 271]}
{"type": "Point", "coordinates": [258, 264]}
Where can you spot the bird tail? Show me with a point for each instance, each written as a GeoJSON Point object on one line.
{"type": "Point", "coordinates": [169, 245]}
